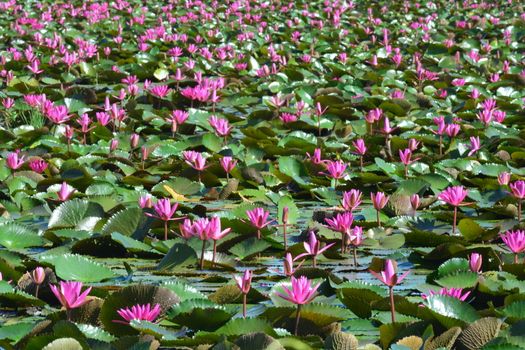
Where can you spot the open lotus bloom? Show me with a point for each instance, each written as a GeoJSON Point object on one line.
{"type": "Point", "coordinates": [138, 312]}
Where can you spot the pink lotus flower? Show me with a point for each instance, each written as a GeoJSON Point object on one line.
{"type": "Point", "coordinates": [103, 118]}
{"type": "Point", "coordinates": [160, 90]}
{"type": "Point", "coordinates": [515, 241]}
{"type": "Point", "coordinates": [313, 248]}
{"type": "Point", "coordinates": [287, 118]}
{"type": "Point", "coordinates": [244, 284]}
{"type": "Point", "coordinates": [139, 312]}
{"type": "Point", "coordinates": [389, 277]}
{"type": "Point", "coordinates": [452, 130]}
{"type": "Point", "coordinates": [195, 160]}
{"type": "Point", "coordinates": [355, 238]}
{"type": "Point", "coordinates": [454, 196]}
{"type": "Point", "coordinates": [504, 178]}
{"type": "Point", "coordinates": [228, 164]}
{"type": "Point", "coordinates": [165, 211]}
{"type": "Point", "coordinates": [335, 170]}
{"type": "Point", "coordinates": [475, 260]}
{"type": "Point", "coordinates": [178, 117]}
{"type": "Point", "coordinates": [405, 157]}
{"type": "Point", "coordinates": [145, 201]}
{"type": "Point", "coordinates": [302, 292]}
{"type": "Point", "coordinates": [38, 165]}
{"type": "Point", "coordinates": [475, 145]}
{"type": "Point", "coordinates": [379, 200]}
{"type": "Point", "coordinates": [351, 199]}
{"type": "Point", "coordinates": [65, 192]}
{"type": "Point", "coordinates": [70, 296]}
{"type": "Point", "coordinates": [387, 129]}
{"type": "Point", "coordinates": [413, 144]}
{"type": "Point", "coordinates": [360, 149]}
{"type": "Point", "coordinates": [456, 293]}
{"type": "Point", "coordinates": [258, 218]}
{"type": "Point", "coordinates": [518, 191]}
{"type": "Point", "coordinates": [113, 145]}
{"type": "Point", "coordinates": [209, 229]}
{"type": "Point", "coordinates": [373, 116]}
{"type": "Point", "coordinates": [14, 160]}
{"type": "Point", "coordinates": [38, 275]}
{"type": "Point", "coordinates": [134, 140]}
{"type": "Point", "coordinates": [288, 265]}
{"type": "Point", "coordinates": [414, 202]}
{"type": "Point", "coordinates": [341, 223]}
{"type": "Point", "coordinates": [221, 126]}
{"type": "Point", "coordinates": [315, 158]}
{"type": "Point", "coordinates": [8, 103]}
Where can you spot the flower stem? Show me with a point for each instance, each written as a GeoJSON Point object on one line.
{"type": "Point", "coordinates": [392, 305]}
{"type": "Point", "coordinates": [515, 258]}
{"type": "Point", "coordinates": [455, 218]}
{"type": "Point", "coordinates": [355, 256]}
{"type": "Point", "coordinates": [68, 314]}
{"type": "Point", "coordinates": [285, 240]}
{"type": "Point", "coordinates": [214, 253]}
{"type": "Point", "coordinates": [244, 297]}
{"type": "Point", "coordinates": [36, 291]}
{"type": "Point", "coordinates": [519, 210]}
{"type": "Point", "coordinates": [342, 243]}
{"type": "Point", "coordinates": [297, 318]}
{"type": "Point", "coordinates": [258, 233]}
{"type": "Point", "coordinates": [166, 230]}
{"type": "Point", "coordinates": [378, 220]}
{"type": "Point", "coordinates": [202, 254]}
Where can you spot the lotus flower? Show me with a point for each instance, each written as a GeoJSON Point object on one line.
{"type": "Point", "coordinates": [65, 192]}
{"type": "Point", "coordinates": [515, 241]}
{"type": "Point", "coordinates": [389, 277]}
{"type": "Point", "coordinates": [228, 164]}
{"type": "Point", "coordinates": [302, 292]}
{"type": "Point", "coordinates": [335, 170]}
{"type": "Point", "coordinates": [504, 178]}
{"type": "Point", "coordinates": [70, 296]}
{"type": "Point", "coordinates": [355, 238]}
{"type": "Point", "coordinates": [244, 284]}
{"type": "Point", "coordinates": [454, 196]}
{"type": "Point", "coordinates": [139, 312]}
{"type": "Point", "coordinates": [342, 223]}
{"type": "Point", "coordinates": [38, 165]}
{"type": "Point", "coordinates": [315, 158]}
{"type": "Point", "coordinates": [14, 161]}
{"type": "Point", "coordinates": [313, 248]}
{"type": "Point", "coordinates": [414, 202]}
{"type": "Point", "coordinates": [475, 260]}
{"type": "Point", "coordinates": [165, 211]}
{"type": "Point", "coordinates": [259, 219]}
{"type": "Point", "coordinates": [360, 149]}
{"type": "Point", "coordinates": [518, 191]}
{"type": "Point", "coordinates": [379, 200]}
{"type": "Point", "coordinates": [351, 199]}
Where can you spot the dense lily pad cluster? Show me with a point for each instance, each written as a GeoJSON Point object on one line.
{"type": "Point", "coordinates": [262, 174]}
